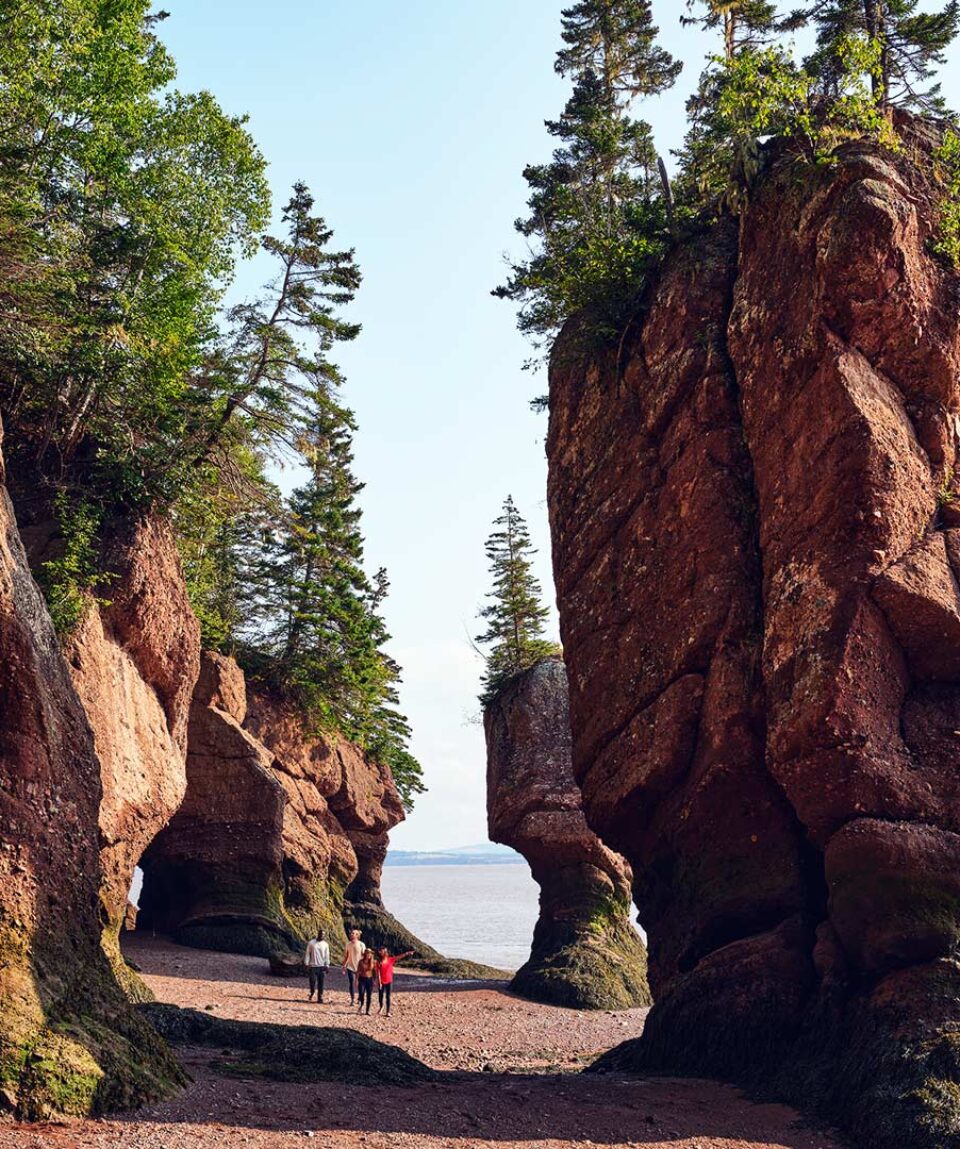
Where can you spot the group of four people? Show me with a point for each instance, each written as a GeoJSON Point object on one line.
{"type": "Point", "coordinates": [363, 967]}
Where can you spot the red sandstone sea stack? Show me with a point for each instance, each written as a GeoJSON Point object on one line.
{"type": "Point", "coordinates": [752, 514]}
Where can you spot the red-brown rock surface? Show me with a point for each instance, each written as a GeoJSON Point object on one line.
{"type": "Point", "coordinates": [134, 662]}
{"type": "Point", "coordinates": [68, 1039]}
{"type": "Point", "coordinates": [760, 614]}
{"type": "Point", "coordinates": [213, 876]}
{"type": "Point", "coordinates": [254, 859]}
{"type": "Point", "coordinates": [585, 952]}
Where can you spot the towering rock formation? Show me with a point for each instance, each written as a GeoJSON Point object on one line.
{"type": "Point", "coordinates": [262, 849]}
{"type": "Point", "coordinates": [753, 510]}
{"type": "Point", "coordinates": [69, 1041]}
{"type": "Point", "coordinates": [134, 661]}
{"type": "Point", "coordinates": [585, 954]}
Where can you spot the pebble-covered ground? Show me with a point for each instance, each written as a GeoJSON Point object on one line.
{"type": "Point", "coordinates": [511, 1080]}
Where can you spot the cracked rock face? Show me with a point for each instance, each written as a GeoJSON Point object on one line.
{"type": "Point", "coordinates": [753, 518]}
{"type": "Point", "coordinates": [69, 1040]}
{"type": "Point", "coordinates": [134, 662]}
{"type": "Point", "coordinates": [585, 952]}
{"type": "Point", "coordinates": [278, 832]}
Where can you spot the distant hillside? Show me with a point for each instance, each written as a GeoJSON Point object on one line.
{"type": "Point", "coordinates": [483, 854]}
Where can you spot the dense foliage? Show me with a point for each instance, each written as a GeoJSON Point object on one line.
{"type": "Point", "coordinates": [126, 387]}
{"type": "Point", "coordinates": [516, 616]}
{"type": "Point", "coordinates": [597, 212]}
{"type": "Point", "coordinates": [600, 221]}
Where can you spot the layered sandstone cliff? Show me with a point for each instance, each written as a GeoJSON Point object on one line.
{"type": "Point", "coordinates": [586, 954]}
{"type": "Point", "coordinates": [266, 844]}
{"type": "Point", "coordinates": [213, 876]}
{"type": "Point", "coordinates": [134, 661]}
{"type": "Point", "coordinates": [752, 506]}
{"type": "Point", "coordinates": [69, 1041]}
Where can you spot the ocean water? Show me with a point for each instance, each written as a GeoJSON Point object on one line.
{"type": "Point", "coordinates": [484, 913]}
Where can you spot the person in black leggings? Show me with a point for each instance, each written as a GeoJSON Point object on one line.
{"type": "Point", "coordinates": [385, 964]}
{"type": "Point", "coordinates": [365, 971]}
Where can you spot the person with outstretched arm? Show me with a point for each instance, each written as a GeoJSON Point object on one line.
{"type": "Point", "coordinates": [351, 959]}
{"type": "Point", "coordinates": [385, 964]}
{"type": "Point", "coordinates": [366, 968]}
{"type": "Point", "coordinates": [317, 961]}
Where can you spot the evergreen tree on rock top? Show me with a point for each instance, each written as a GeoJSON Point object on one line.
{"type": "Point", "coordinates": [745, 23]}
{"type": "Point", "coordinates": [911, 44]}
{"type": "Point", "coordinates": [516, 618]}
{"type": "Point", "coordinates": [597, 220]}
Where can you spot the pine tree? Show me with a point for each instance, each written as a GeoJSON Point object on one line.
{"type": "Point", "coordinates": [313, 626]}
{"type": "Point", "coordinates": [716, 158]}
{"type": "Point", "coordinates": [516, 617]}
{"type": "Point", "coordinates": [596, 214]}
{"type": "Point", "coordinates": [265, 378]}
{"type": "Point", "coordinates": [911, 44]}
{"type": "Point", "coordinates": [746, 24]}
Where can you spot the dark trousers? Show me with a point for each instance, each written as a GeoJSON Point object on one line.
{"type": "Point", "coordinates": [366, 991]}
{"type": "Point", "coordinates": [316, 974]}
{"type": "Point", "coordinates": [385, 993]}
{"type": "Point", "coordinates": [351, 979]}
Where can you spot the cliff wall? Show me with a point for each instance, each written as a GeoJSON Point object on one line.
{"type": "Point", "coordinates": [752, 504]}
{"type": "Point", "coordinates": [278, 830]}
{"type": "Point", "coordinates": [69, 1041]}
{"type": "Point", "coordinates": [134, 662]}
{"type": "Point", "coordinates": [585, 953]}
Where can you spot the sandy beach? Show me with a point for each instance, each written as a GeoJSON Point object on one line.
{"type": "Point", "coordinates": [510, 1077]}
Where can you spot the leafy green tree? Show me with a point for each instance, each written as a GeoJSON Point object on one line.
{"type": "Point", "coordinates": [911, 45]}
{"type": "Point", "coordinates": [516, 617]}
{"type": "Point", "coordinates": [597, 220]}
{"type": "Point", "coordinates": [136, 199]}
{"type": "Point", "coordinates": [717, 157]}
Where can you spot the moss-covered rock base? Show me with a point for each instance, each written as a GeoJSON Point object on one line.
{"type": "Point", "coordinates": [89, 1053]}
{"type": "Point", "coordinates": [237, 936]}
{"type": "Point", "coordinates": [882, 1070]}
{"type": "Point", "coordinates": [603, 967]}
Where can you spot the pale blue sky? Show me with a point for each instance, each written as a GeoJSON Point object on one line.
{"type": "Point", "coordinates": [412, 123]}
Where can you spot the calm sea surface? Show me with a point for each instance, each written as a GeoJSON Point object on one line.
{"type": "Point", "coordinates": [484, 913]}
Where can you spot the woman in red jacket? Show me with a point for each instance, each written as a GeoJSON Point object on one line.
{"type": "Point", "coordinates": [385, 965]}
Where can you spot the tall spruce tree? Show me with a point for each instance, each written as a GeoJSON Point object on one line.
{"type": "Point", "coordinates": [312, 625]}
{"type": "Point", "coordinates": [746, 24]}
{"type": "Point", "coordinates": [910, 44]}
{"type": "Point", "coordinates": [716, 158]}
{"type": "Point", "coordinates": [596, 216]}
{"type": "Point", "coordinates": [516, 617]}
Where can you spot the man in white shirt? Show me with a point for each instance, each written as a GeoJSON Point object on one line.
{"type": "Point", "coordinates": [351, 957]}
{"type": "Point", "coordinates": [317, 959]}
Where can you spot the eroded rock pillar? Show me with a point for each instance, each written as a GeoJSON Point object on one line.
{"type": "Point", "coordinates": [586, 953]}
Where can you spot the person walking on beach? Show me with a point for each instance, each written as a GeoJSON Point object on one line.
{"type": "Point", "coordinates": [351, 959]}
{"type": "Point", "coordinates": [366, 968]}
{"type": "Point", "coordinates": [317, 961]}
{"type": "Point", "coordinates": [385, 964]}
